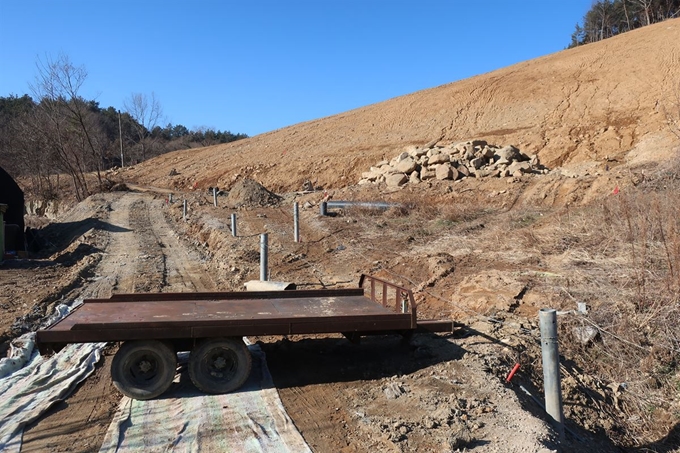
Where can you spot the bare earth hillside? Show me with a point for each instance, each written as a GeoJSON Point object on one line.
{"type": "Point", "coordinates": [597, 102]}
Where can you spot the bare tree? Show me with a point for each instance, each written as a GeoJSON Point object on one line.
{"type": "Point", "coordinates": [65, 120]}
{"type": "Point", "coordinates": [625, 12]}
{"type": "Point", "coordinates": [646, 6]}
{"type": "Point", "coordinates": [147, 113]}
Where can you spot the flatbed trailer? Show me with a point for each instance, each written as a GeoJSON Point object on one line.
{"type": "Point", "coordinates": [154, 327]}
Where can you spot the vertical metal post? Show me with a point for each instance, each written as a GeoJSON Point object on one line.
{"type": "Point", "coordinates": [120, 130]}
{"type": "Point", "coordinates": [233, 224]}
{"type": "Point", "coordinates": [170, 198]}
{"type": "Point", "coordinates": [323, 208]}
{"type": "Point", "coordinates": [264, 258]}
{"type": "Point", "coordinates": [215, 196]}
{"type": "Point", "coordinates": [551, 368]}
{"type": "Point", "coordinates": [296, 221]}
{"type": "Point", "coordinates": [184, 210]}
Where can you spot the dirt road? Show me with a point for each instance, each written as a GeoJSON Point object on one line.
{"type": "Point", "coordinates": [139, 253]}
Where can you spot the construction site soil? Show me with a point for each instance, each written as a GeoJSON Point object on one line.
{"type": "Point", "coordinates": [487, 252]}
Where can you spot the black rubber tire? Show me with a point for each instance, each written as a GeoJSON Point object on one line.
{"type": "Point", "coordinates": [144, 369]}
{"type": "Point", "coordinates": [220, 365]}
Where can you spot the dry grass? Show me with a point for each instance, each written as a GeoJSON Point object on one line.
{"type": "Point", "coordinates": [622, 256]}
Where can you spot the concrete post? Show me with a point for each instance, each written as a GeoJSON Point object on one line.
{"type": "Point", "coordinates": [296, 221]}
{"type": "Point", "coordinates": [264, 256]}
{"type": "Point", "coordinates": [233, 224]}
{"type": "Point", "coordinates": [551, 368]}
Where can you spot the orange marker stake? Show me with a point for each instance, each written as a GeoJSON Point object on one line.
{"type": "Point", "coordinates": [512, 373]}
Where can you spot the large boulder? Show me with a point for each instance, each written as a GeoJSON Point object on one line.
{"type": "Point", "coordinates": [401, 157]}
{"type": "Point", "coordinates": [443, 171]}
{"type": "Point", "coordinates": [416, 151]}
{"type": "Point", "coordinates": [396, 180]}
{"type": "Point", "coordinates": [463, 170]}
{"type": "Point", "coordinates": [488, 152]}
{"type": "Point", "coordinates": [438, 159]}
{"type": "Point", "coordinates": [426, 173]}
{"type": "Point", "coordinates": [509, 153]}
{"type": "Point", "coordinates": [477, 162]}
{"type": "Point", "coordinates": [371, 175]}
{"type": "Point", "coordinates": [406, 166]}
{"type": "Point", "coordinates": [518, 168]}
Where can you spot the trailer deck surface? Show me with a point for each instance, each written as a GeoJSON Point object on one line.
{"type": "Point", "coordinates": [153, 327]}
{"type": "Point", "coordinates": [135, 317]}
{"type": "Point", "coordinates": [379, 307]}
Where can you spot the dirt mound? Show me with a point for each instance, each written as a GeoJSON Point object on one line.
{"type": "Point", "coordinates": [249, 193]}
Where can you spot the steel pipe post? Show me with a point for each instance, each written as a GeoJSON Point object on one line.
{"type": "Point", "coordinates": [170, 198]}
{"type": "Point", "coordinates": [233, 224]}
{"type": "Point", "coordinates": [551, 368]}
{"type": "Point", "coordinates": [264, 256]}
{"type": "Point", "coordinates": [296, 221]}
{"type": "Point", "coordinates": [184, 210]}
{"type": "Point", "coordinates": [323, 208]}
{"type": "Point", "coordinates": [215, 196]}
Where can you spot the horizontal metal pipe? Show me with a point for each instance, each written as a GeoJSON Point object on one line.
{"type": "Point", "coordinates": [361, 204]}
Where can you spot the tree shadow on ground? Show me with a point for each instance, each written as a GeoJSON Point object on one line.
{"type": "Point", "coordinates": [56, 237]}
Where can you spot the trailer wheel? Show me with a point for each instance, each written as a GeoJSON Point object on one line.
{"type": "Point", "coordinates": [220, 365]}
{"type": "Point", "coordinates": [143, 369]}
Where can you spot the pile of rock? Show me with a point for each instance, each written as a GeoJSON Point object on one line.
{"type": "Point", "coordinates": [459, 160]}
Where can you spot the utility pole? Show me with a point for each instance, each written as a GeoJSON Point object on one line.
{"type": "Point", "coordinates": [120, 131]}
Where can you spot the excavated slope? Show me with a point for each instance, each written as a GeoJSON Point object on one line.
{"type": "Point", "coordinates": [600, 102]}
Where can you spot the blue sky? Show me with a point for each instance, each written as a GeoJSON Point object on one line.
{"type": "Point", "coordinates": [253, 66]}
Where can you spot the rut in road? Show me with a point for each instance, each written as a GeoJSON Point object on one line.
{"type": "Point", "coordinates": [141, 254]}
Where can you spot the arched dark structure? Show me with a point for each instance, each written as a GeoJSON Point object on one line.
{"type": "Point", "coordinates": [12, 195]}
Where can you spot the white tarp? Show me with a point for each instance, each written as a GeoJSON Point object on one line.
{"type": "Point", "coordinates": [30, 391]}
{"type": "Point", "coordinates": [30, 383]}
{"type": "Point", "coordinates": [250, 420]}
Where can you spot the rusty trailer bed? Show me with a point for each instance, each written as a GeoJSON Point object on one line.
{"type": "Point", "coordinates": [381, 307]}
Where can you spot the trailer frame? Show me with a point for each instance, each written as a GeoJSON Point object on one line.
{"type": "Point", "coordinates": [212, 323]}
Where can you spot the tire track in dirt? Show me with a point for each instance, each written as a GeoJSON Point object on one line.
{"type": "Point", "coordinates": [80, 422]}
{"type": "Point", "coordinates": [181, 274]}
{"type": "Point", "coordinates": [116, 271]}
{"type": "Point", "coordinates": [141, 254]}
